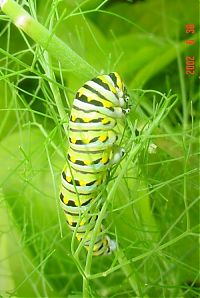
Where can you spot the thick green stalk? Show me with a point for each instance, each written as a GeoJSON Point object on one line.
{"type": "Point", "coordinates": [50, 42]}
{"type": "Point", "coordinates": [156, 65]}
{"type": "Point", "coordinates": [55, 90]}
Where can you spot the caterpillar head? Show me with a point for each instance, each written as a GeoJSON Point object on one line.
{"type": "Point", "coordinates": [121, 91]}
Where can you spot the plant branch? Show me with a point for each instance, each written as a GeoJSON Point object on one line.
{"type": "Point", "coordinates": [50, 42]}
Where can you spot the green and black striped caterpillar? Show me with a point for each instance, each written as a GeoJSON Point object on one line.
{"type": "Point", "coordinates": [93, 149]}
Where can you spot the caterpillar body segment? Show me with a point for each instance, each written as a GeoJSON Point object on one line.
{"type": "Point", "coordinates": [93, 148]}
{"type": "Point", "coordinates": [92, 121]}
{"type": "Point", "coordinates": [96, 161]}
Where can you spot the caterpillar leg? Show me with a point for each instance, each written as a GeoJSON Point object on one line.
{"type": "Point", "coordinates": [117, 154]}
{"type": "Point", "coordinates": [106, 248]}
{"type": "Point", "coordinates": [103, 246]}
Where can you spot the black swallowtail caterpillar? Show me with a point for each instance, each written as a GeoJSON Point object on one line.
{"type": "Point", "coordinates": [93, 149]}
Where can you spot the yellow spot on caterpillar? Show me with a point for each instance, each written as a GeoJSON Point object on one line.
{"type": "Point", "coordinates": [73, 140]}
{"type": "Point", "coordinates": [73, 118]}
{"type": "Point", "coordinates": [69, 219]}
{"type": "Point", "coordinates": [104, 241]}
{"type": "Point", "coordinates": [87, 162]}
{"type": "Point", "coordinates": [102, 138]}
{"type": "Point", "coordinates": [79, 237]}
{"type": "Point", "coordinates": [107, 104]}
{"type": "Point", "coordinates": [86, 140]}
{"type": "Point", "coordinates": [104, 160]}
{"type": "Point", "coordinates": [110, 86]}
{"type": "Point", "coordinates": [82, 222]}
{"type": "Point", "coordinates": [95, 248]}
{"type": "Point", "coordinates": [86, 119]}
{"type": "Point", "coordinates": [82, 183]}
{"type": "Point", "coordinates": [81, 91]}
{"type": "Point", "coordinates": [98, 182]}
{"type": "Point", "coordinates": [65, 200]}
{"type": "Point", "coordinates": [73, 159]}
{"type": "Point", "coordinates": [89, 98]}
{"type": "Point", "coordinates": [119, 81]}
{"type": "Point", "coordinates": [104, 120]}
{"type": "Point", "coordinates": [77, 203]}
{"type": "Point", "coordinates": [69, 179]}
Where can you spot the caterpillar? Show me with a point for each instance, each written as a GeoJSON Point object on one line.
{"type": "Point", "coordinates": [93, 148]}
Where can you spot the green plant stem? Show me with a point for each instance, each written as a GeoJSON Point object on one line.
{"type": "Point", "coordinates": [129, 272]}
{"type": "Point", "coordinates": [148, 219]}
{"type": "Point", "coordinates": [135, 149]}
{"type": "Point", "coordinates": [50, 42]}
{"type": "Point", "coordinates": [86, 289]}
{"type": "Point", "coordinates": [56, 93]}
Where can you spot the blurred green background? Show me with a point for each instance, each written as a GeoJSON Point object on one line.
{"type": "Point", "coordinates": [156, 216]}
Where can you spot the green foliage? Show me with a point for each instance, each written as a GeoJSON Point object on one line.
{"type": "Point", "coordinates": [152, 198]}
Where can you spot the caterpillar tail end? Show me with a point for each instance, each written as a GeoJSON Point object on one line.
{"type": "Point", "coordinates": [106, 248]}
{"type": "Point", "coordinates": [112, 244]}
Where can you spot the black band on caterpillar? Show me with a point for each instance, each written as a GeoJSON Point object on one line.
{"type": "Point", "coordinates": [93, 149]}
